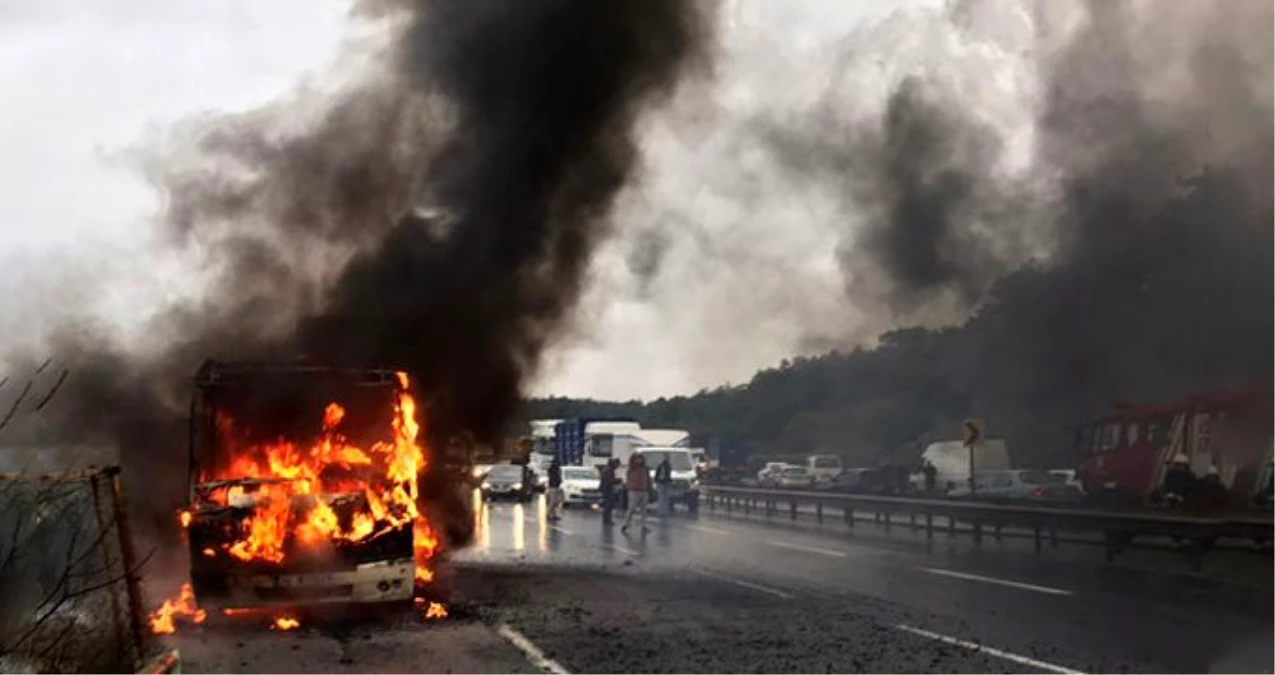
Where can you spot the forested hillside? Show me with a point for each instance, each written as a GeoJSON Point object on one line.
{"type": "Point", "coordinates": [1188, 311]}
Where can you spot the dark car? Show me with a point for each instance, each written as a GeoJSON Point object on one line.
{"type": "Point", "coordinates": [860, 482]}
{"type": "Point", "coordinates": [509, 481]}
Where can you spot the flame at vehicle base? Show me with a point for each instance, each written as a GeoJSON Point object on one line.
{"type": "Point", "coordinates": [164, 620]}
{"type": "Point", "coordinates": [285, 623]}
{"type": "Point", "coordinates": [431, 610]}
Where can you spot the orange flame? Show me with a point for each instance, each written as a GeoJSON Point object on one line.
{"type": "Point", "coordinates": [436, 610]}
{"type": "Point", "coordinates": [164, 620]}
{"type": "Point", "coordinates": [425, 543]}
{"type": "Point", "coordinates": [385, 473]}
{"type": "Point", "coordinates": [184, 518]}
{"type": "Point", "coordinates": [285, 623]}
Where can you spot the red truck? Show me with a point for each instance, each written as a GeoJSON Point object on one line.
{"type": "Point", "coordinates": [1230, 431]}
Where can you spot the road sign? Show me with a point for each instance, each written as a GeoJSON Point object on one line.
{"type": "Point", "coordinates": [973, 432]}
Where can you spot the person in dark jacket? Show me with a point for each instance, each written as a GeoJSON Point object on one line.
{"type": "Point", "coordinates": [931, 474]}
{"type": "Point", "coordinates": [1210, 492]}
{"type": "Point", "coordinates": [608, 486]}
{"type": "Point", "coordinates": [555, 490]}
{"type": "Point", "coordinates": [664, 484]}
{"type": "Point", "coordinates": [1179, 481]}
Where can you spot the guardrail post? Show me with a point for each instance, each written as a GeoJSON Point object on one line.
{"type": "Point", "coordinates": [951, 527]}
{"type": "Point", "coordinates": [887, 520]}
{"type": "Point", "coordinates": [1053, 537]}
{"type": "Point", "coordinates": [978, 533]}
{"type": "Point", "coordinates": [819, 512]}
{"type": "Point", "coordinates": [848, 513]}
{"type": "Point", "coordinates": [770, 507]}
{"type": "Point", "coordinates": [748, 505]}
{"type": "Point", "coordinates": [1036, 538]}
{"type": "Point", "coordinates": [929, 525]}
{"type": "Point", "coordinates": [728, 504]}
{"type": "Point", "coordinates": [912, 519]}
{"type": "Point", "coordinates": [793, 509]}
{"type": "Point", "coordinates": [997, 531]}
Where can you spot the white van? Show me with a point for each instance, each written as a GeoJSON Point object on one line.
{"type": "Point", "coordinates": [823, 469]}
{"type": "Point", "coordinates": [951, 460]}
{"type": "Point", "coordinates": [685, 487]}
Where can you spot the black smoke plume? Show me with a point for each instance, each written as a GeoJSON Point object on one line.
{"type": "Point", "coordinates": [435, 217]}
{"type": "Point", "coordinates": [1140, 271]}
{"type": "Point", "coordinates": [926, 203]}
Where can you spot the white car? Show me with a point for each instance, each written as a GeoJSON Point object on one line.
{"type": "Point", "coordinates": [580, 486]}
{"type": "Point", "coordinates": [769, 471]}
{"type": "Point", "coordinates": [1069, 477]}
{"type": "Point", "coordinates": [794, 477]}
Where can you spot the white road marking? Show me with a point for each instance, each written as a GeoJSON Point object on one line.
{"type": "Point", "coordinates": [992, 580]}
{"type": "Point", "coordinates": [808, 549]}
{"type": "Point", "coordinates": [705, 528]}
{"type": "Point", "coordinates": [533, 653]}
{"type": "Point", "coordinates": [745, 584]}
{"type": "Point", "coordinates": [1008, 656]}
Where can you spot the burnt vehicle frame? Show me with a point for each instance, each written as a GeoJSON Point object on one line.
{"type": "Point", "coordinates": [380, 569]}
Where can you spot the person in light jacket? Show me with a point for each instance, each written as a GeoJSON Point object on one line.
{"type": "Point", "coordinates": [638, 483]}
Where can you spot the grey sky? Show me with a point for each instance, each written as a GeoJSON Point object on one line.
{"type": "Point", "coordinates": [747, 274]}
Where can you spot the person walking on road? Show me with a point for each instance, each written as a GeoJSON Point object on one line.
{"type": "Point", "coordinates": [663, 484]}
{"type": "Point", "coordinates": [638, 482]}
{"type": "Point", "coordinates": [607, 481]}
{"type": "Point", "coordinates": [555, 490]}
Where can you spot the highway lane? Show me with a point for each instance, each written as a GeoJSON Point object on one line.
{"type": "Point", "coordinates": [715, 594]}
{"type": "Point", "coordinates": [822, 601]}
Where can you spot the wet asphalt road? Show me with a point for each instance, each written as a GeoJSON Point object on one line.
{"type": "Point", "coordinates": [725, 594]}
{"type": "Point", "coordinates": [719, 594]}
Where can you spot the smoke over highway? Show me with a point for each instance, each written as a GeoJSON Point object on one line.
{"type": "Point", "coordinates": [1129, 258]}
{"type": "Point", "coordinates": [435, 216]}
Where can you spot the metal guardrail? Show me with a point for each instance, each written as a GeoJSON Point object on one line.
{"type": "Point", "coordinates": [1118, 528]}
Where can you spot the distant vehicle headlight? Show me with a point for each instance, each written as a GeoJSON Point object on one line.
{"type": "Point", "coordinates": [477, 471]}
